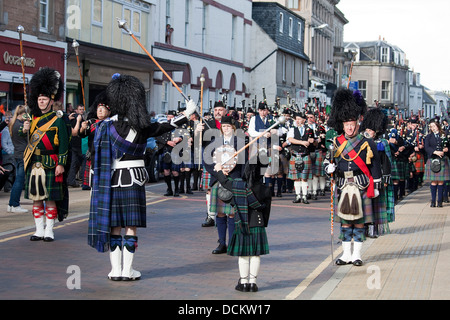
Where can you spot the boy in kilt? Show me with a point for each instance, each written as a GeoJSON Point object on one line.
{"type": "Point", "coordinates": [300, 164]}
{"type": "Point", "coordinates": [356, 168]}
{"type": "Point", "coordinates": [45, 157]}
{"type": "Point", "coordinates": [373, 127]}
{"type": "Point", "coordinates": [118, 185]}
{"type": "Point", "coordinates": [251, 200]}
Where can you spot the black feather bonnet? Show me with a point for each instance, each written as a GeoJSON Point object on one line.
{"type": "Point", "coordinates": [45, 82]}
{"type": "Point", "coordinates": [346, 106]}
{"type": "Point", "coordinates": [375, 120]}
{"type": "Point", "coordinates": [126, 98]}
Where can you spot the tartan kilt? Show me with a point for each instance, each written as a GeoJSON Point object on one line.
{"type": "Point", "coordinates": [253, 244]}
{"type": "Point", "coordinates": [217, 205]}
{"type": "Point", "coordinates": [128, 207]}
{"type": "Point", "coordinates": [390, 203]}
{"type": "Point", "coordinates": [55, 189]}
{"type": "Point", "coordinates": [318, 167]}
{"type": "Point", "coordinates": [206, 179]}
{"type": "Point", "coordinates": [420, 162]}
{"type": "Point", "coordinates": [367, 207]}
{"type": "Point", "coordinates": [380, 213]}
{"type": "Point", "coordinates": [400, 170]}
{"type": "Point", "coordinates": [442, 175]}
{"type": "Point", "coordinates": [171, 166]}
{"type": "Point", "coordinates": [307, 172]}
{"type": "Point", "coordinates": [87, 173]}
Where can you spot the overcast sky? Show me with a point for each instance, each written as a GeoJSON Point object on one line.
{"type": "Point", "coordinates": [420, 28]}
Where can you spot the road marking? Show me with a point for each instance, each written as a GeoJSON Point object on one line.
{"type": "Point", "coordinates": [313, 275]}
{"type": "Point", "coordinates": [67, 223]}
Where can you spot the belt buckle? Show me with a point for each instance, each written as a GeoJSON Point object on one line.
{"type": "Point", "coordinates": [348, 174]}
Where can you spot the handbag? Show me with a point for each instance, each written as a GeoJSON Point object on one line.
{"type": "Point", "coordinates": [435, 165]}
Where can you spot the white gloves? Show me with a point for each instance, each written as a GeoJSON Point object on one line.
{"type": "Point", "coordinates": [191, 107]}
{"type": "Point", "coordinates": [331, 168]}
{"type": "Point", "coordinates": [376, 192]}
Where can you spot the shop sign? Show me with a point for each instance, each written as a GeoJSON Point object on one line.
{"type": "Point", "coordinates": [16, 60]}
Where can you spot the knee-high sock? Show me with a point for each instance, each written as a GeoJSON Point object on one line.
{"type": "Point", "coordinates": [244, 268]}
{"type": "Point", "coordinates": [401, 184]}
{"type": "Point", "coordinates": [304, 188]}
{"type": "Point", "coordinates": [440, 193]}
{"type": "Point", "coordinates": [221, 223]}
{"type": "Point", "coordinates": [322, 183]}
{"type": "Point", "coordinates": [187, 178]}
{"type": "Point", "coordinates": [309, 184]}
{"type": "Point", "coordinates": [433, 189]}
{"type": "Point", "coordinates": [168, 180]}
{"type": "Point", "coordinates": [315, 184]}
{"type": "Point", "coordinates": [255, 262]}
{"type": "Point", "coordinates": [297, 187]}
{"type": "Point", "coordinates": [212, 215]}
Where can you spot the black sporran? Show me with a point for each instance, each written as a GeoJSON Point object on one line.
{"type": "Point", "coordinates": [435, 165]}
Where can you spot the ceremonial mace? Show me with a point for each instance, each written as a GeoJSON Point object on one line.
{"type": "Point", "coordinates": [281, 120]}
{"type": "Point", "coordinates": [75, 46]}
{"type": "Point", "coordinates": [331, 147]}
{"type": "Point", "coordinates": [20, 30]}
{"type": "Point", "coordinates": [202, 80]}
{"type": "Point", "coordinates": [351, 68]}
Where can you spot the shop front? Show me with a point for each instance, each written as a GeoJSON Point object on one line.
{"type": "Point", "coordinates": [37, 54]}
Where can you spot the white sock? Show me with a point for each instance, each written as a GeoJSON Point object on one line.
{"type": "Point", "coordinates": [208, 206]}
{"type": "Point", "coordinates": [255, 262]}
{"type": "Point", "coordinates": [315, 184]}
{"type": "Point", "coordinates": [297, 187]}
{"type": "Point", "coordinates": [347, 251]}
{"type": "Point", "coordinates": [356, 255]}
{"type": "Point", "coordinates": [244, 268]}
{"type": "Point", "coordinates": [309, 184]}
{"type": "Point", "coordinates": [322, 182]}
{"type": "Point", "coordinates": [304, 188]}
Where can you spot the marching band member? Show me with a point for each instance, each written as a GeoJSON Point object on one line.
{"type": "Point", "coordinates": [300, 138]}
{"type": "Point", "coordinates": [437, 166]}
{"type": "Point", "coordinates": [118, 186]}
{"type": "Point", "coordinates": [45, 157]}
{"type": "Point", "coordinates": [356, 167]}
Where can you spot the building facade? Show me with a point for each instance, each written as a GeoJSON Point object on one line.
{"type": "Point", "coordinates": [382, 74]}
{"type": "Point", "coordinates": [279, 64]}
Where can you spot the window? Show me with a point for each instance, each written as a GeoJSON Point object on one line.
{"type": "Point", "coordinates": [134, 18]}
{"type": "Point", "coordinates": [299, 36]}
{"type": "Point", "coordinates": [384, 54]}
{"type": "Point", "coordinates": [362, 85]}
{"type": "Point", "coordinates": [291, 27]}
{"type": "Point", "coordinates": [281, 22]}
{"type": "Point", "coordinates": [43, 16]}
{"type": "Point", "coordinates": [293, 4]}
{"type": "Point", "coordinates": [385, 90]}
{"type": "Point", "coordinates": [97, 12]}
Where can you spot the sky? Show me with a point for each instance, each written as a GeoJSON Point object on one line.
{"type": "Point", "coordinates": [420, 28]}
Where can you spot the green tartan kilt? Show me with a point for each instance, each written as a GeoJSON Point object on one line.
{"type": "Point", "coordinates": [253, 244]}
{"type": "Point", "coordinates": [54, 189]}
{"type": "Point", "coordinates": [442, 175]}
{"type": "Point", "coordinates": [217, 205]}
{"type": "Point", "coordinates": [400, 170]}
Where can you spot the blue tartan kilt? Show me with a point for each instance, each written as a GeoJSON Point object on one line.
{"type": "Point", "coordinates": [442, 175]}
{"type": "Point", "coordinates": [307, 172]}
{"type": "Point", "coordinates": [253, 244]}
{"type": "Point", "coordinates": [170, 166]}
{"type": "Point", "coordinates": [128, 207]}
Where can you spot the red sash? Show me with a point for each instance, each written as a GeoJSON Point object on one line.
{"type": "Point", "coordinates": [49, 147]}
{"type": "Point", "coordinates": [361, 165]}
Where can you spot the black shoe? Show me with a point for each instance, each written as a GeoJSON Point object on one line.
{"type": "Point", "coordinates": [176, 193]}
{"type": "Point", "coordinates": [48, 239]}
{"type": "Point", "coordinates": [253, 287]}
{"type": "Point", "coordinates": [439, 204]}
{"type": "Point", "coordinates": [220, 249]}
{"type": "Point", "coordinates": [279, 195]}
{"type": "Point", "coordinates": [340, 262]}
{"type": "Point", "coordinates": [433, 204]}
{"type": "Point", "coordinates": [357, 263]}
{"type": "Point", "coordinates": [305, 200]}
{"type": "Point", "coordinates": [322, 192]}
{"type": "Point", "coordinates": [243, 287]}
{"type": "Point", "coordinates": [314, 196]}
{"type": "Point", "coordinates": [298, 199]}
{"type": "Point", "coordinates": [168, 193]}
{"type": "Point", "coordinates": [189, 191]}
{"type": "Point", "coordinates": [209, 222]}
{"type": "Point", "coordinates": [36, 238]}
